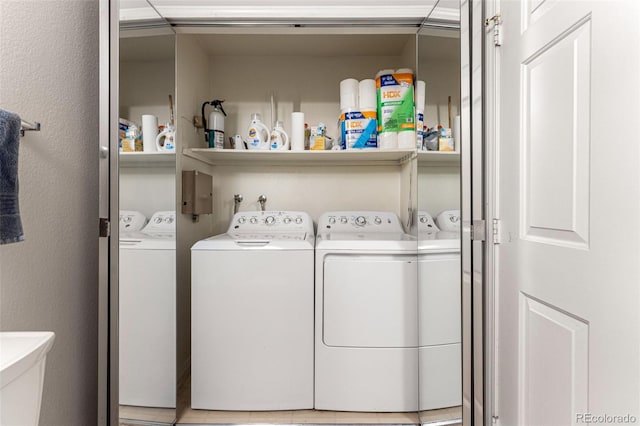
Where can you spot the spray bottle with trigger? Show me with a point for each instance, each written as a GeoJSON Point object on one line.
{"type": "Point", "coordinates": [214, 134]}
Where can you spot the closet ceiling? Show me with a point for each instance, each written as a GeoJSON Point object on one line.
{"type": "Point", "coordinates": [194, 11]}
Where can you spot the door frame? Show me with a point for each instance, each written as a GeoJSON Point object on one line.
{"type": "Point", "coordinates": [108, 200]}
{"type": "Point", "coordinates": [478, 177]}
{"type": "Point", "coordinates": [479, 87]}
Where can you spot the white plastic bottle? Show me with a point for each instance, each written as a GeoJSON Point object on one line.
{"type": "Point", "coordinates": [258, 134]}
{"type": "Point", "coordinates": [279, 138]}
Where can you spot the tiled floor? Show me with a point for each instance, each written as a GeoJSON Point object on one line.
{"type": "Point", "coordinates": [188, 416]}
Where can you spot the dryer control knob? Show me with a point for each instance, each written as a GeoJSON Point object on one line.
{"type": "Point", "coordinates": [332, 220]}
{"type": "Point", "coordinates": [270, 220]}
{"type": "Point", "coordinates": [253, 220]}
{"type": "Point", "coordinates": [361, 221]}
{"type": "Point", "coordinates": [378, 220]}
{"type": "Point", "coordinates": [298, 220]}
{"type": "Point", "coordinates": [287, 220]}
{"type": "Point", "coordinates": [343, 219]}
{"type": "Point", "coordinates": [242, 220]}
{"type": "Point", "coordinates": [423, 219]}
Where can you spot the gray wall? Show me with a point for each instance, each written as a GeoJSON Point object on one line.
{"type": "Point", "coordinates": [49, 73]}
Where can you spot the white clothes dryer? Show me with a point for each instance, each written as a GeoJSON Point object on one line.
{"type": "Point", "coordinates": [366, 313]}
{"type": "Point", "coordinates": [252, 314]}
{"type": "Point", "coordinates": [439, 297]}
{"type": "Point", "coordinates": [147, 314]}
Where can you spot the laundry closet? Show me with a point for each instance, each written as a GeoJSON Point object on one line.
{"type": "Point", "coordinates": [276, 71]}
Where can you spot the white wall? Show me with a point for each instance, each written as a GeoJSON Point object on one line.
{"type": "Point", "coordinates": [49, 73]}
{"type": "Point", "coordinates": [148, 189]}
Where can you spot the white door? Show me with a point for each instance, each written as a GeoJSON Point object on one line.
{"type": "Point", "coordinates": [568, 195]}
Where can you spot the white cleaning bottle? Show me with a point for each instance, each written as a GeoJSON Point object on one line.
{"type": "Point", "coordinates": [279, 138]}
{"type": "Point", "coordinates": [258, 134]}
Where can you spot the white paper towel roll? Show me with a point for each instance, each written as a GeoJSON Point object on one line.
{"type": "Point", "coordinates": [404, 71]}
{"type": "Point", "coordinates": [297, 131]}
{"type": "Point", "coordinates": [383, 72]}
{"type": "Point", "coordinates": [456, 133]}
{"type": "Point", "coordinates": [349, 93]}
{"type": "Point", "coordinates": [149, 133]}
{"type": "Point", "coordinates": [388, 140]}
{"type": "Point", "coordinates": [421, 88]}
{"type": "Point", "coordinates": [406, 140]}
{"type": "Point", "coordinates": [367, 95]}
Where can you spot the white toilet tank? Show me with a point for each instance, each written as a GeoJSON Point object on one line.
{"type": "Point", "coordinates": [22, 364]}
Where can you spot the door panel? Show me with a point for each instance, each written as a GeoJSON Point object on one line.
{"type": "Point", "coordinates": [553, 383]}
{"type": "Point", "coordinates": [555, 138]}
{"type": "Point", "coordinates": [568, 278]}
{"type": "Point", "coordinates": [370, 301]}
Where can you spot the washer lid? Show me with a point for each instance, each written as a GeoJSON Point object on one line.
{"type": "Point", "coordinates": [257, 241]}
{"type": "Point", "coordinates": [148, 241]}
{"type": "Point", "coordinates": [439, 241]}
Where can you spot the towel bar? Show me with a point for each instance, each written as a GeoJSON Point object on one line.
{"type": "Point", "coordinates": [26, 126]}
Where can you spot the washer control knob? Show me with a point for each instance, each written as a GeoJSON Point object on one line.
{"type": "Point", "coordinates": [298, 220]}
{"type": "Point", "coordinates": [242, 220]}
{"type": "Point", "coordinates": [343, 219]}
{"type": "Point", "coordinates": [377, 220]}
{"type": "Point", "coordinates": [361, 221]}
{"type": "Point", "coordinates": [287, 220]}
{"type": "Point", "coordinates": [423, 219]}
{"type": "Point", "coordinates": [332, 220]}
{"type": "Point", "coordinates": [270, 220]}
{"type": "Point", "coordinates": [253, 220]}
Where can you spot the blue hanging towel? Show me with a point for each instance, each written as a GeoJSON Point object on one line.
{"type": "Point", "coordinates": [10, 224]}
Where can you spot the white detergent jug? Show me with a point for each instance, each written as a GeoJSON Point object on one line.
{"type": "Point", "coordinates": [279, 138]}
{"type": "Point", "coordinates": [166, 140]}
{"type": "Point", "coordinates": [258, 134]}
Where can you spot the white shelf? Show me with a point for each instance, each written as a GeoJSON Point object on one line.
{"type": "Point", "coordinates": [147, 159]}
{"type": "Point", "coordinates": [226, 157]}
{"type": "Point", "coordinates": [438, 158]}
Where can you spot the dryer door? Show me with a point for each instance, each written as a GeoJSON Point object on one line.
{"type": "Point", "coordinates": [370, 301]}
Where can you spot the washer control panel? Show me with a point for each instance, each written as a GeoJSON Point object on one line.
{"type": "Point", "coordinates": [131, 221]}
{"type": "Point", "coordinates": [426, 224]}
{"type": "Point", "coordinates": [162, 222]}
{"type": "Point", "coordinates": [271, 221]}
{"type": "Point", "coordinates": [367, 221]}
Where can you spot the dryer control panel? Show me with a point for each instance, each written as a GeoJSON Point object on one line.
{"type": "Point", "coordinates": [271, 221]}
{"type": "Point", "coordinates": [360, 221]}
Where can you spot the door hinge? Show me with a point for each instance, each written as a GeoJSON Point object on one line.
{"type": "Point", "coordinates": [478, 230]}
{"type": "Point", "coordinates": [105, 227]}
{"type": "Point", "coordinates": [497, 23]}
{"type": "Point", "coordinates": [495, 224]}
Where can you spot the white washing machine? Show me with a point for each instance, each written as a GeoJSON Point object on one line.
{"type": "Point", "coordinates": [439, 296]}
{"type": "Point", "coordinates": [147, 331]}
{"type": "Point", "coordinates": [366, 313]}
{"type": "Point", "coordinates": [252, 314]}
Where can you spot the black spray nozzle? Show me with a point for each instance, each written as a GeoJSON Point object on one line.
{"type": "Point", "coordinates": [217, 103]}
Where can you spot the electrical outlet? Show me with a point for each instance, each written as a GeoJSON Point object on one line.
{"type": "Point", "coordinates": [197, 122]}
